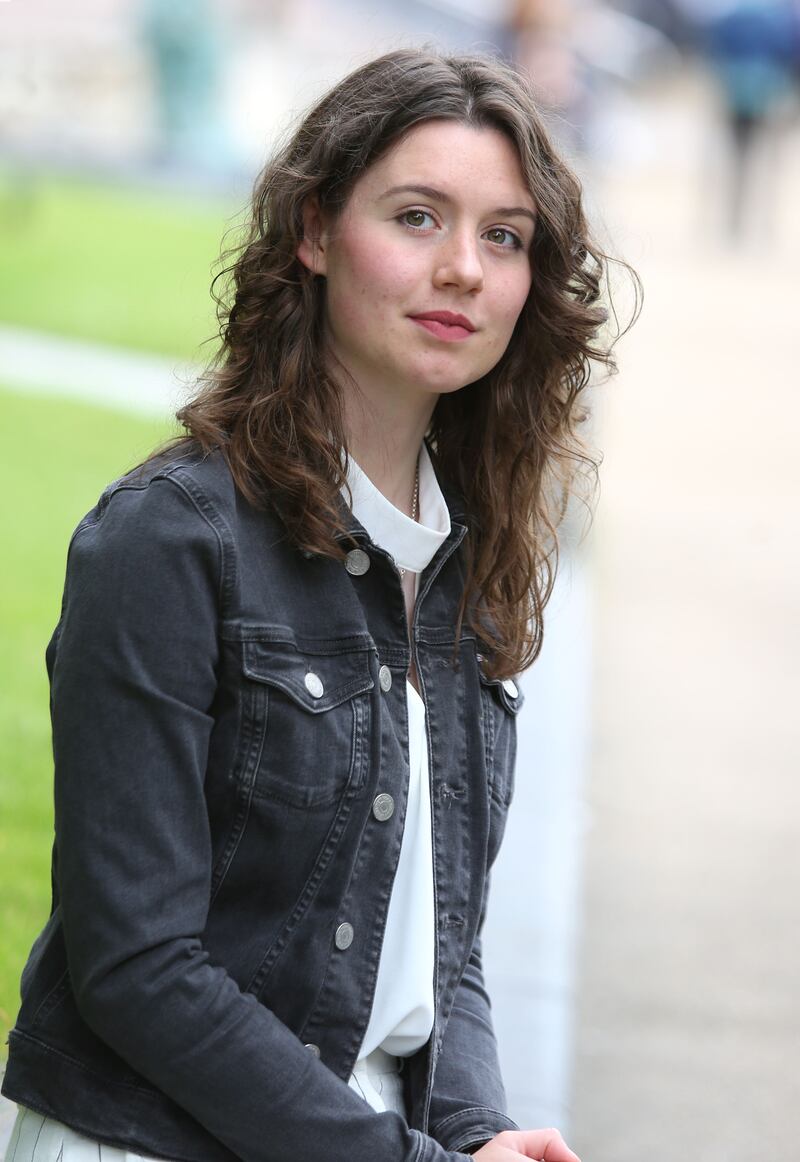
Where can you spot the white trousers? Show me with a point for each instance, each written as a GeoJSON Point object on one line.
{"type": "Point", "coordinates": [36, 1138]}
{"type": "Point", "coordinates": [46, 1140]}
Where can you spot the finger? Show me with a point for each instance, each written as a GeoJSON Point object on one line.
{"type": "Point", "coordinates": [544, 1145]}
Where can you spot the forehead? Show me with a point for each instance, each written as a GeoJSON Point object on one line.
{"type": "Point", "coordinates": [461, 160]}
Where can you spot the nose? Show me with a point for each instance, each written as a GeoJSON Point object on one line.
{"type": "Point", "coordinates": [459, 262]}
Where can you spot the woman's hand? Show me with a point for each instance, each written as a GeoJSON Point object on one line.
{"type": "Point", "coordinates": [511, 1145]}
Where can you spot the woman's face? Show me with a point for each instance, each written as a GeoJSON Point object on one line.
{"type": "Point", "coordinates": [427, 266]}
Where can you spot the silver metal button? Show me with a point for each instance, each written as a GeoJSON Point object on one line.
{"type": "Point", "coordinates": [344, 936]}
{"type": "Point", "coordinates": [314, 1048]}
{"type": "Point", "coordinates": [357, 562]}
{"type": "Point", "coordinates": [510, 687]}
{"type": "Point", "coordinates": [385, 678]}
{"type": "Point", "coordinates": [383, 807]}
{"type": "Point", "coordinates": [313, 684]}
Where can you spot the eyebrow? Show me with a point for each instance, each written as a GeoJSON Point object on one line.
{"type": "Point", "coordinates": [440, 196]}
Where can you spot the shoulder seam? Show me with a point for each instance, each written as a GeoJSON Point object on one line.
{"type": "Point", "coordinates": [199, 501]}
{"type": "Point", "coordinates": [204, 507]}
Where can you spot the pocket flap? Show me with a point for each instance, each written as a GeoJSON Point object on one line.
{"type": "Point", "coordinates": [315, 680]}
{"type": "Point", "coordinates": [506, 690]}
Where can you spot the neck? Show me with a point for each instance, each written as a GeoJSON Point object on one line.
{"type": "Point", "coordinates": [386, 446]}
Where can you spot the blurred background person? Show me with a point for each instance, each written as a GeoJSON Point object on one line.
{"type": "Point", "coordinates": [544, 44]}
{"type": "Point", "coordinates": [186, 43]}
{"type": "Point", "coordinates": [754, 50]}
{"type": "Point", "coordinates": [580, 54]}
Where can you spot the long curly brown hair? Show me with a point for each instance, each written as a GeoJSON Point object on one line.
{"type": "Point", "coordinates": [509, 442]}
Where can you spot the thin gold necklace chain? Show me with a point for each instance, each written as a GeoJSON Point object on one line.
{"type": "Point", "coordinates": [415, 498]}
{"type": "Point", "coordinates": [414, 506]}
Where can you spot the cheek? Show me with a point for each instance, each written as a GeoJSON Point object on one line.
{"type": "Point", "coordinates": [366, 280]}
{"type": "Point", "coordinates": [513, 299]}
{"type": "Point", "coordinates": [508, 302]}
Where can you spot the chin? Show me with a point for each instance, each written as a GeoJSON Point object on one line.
{"type": "Point", "coordinates": [445, 382]}
{"type": "Point", "coordinates": [450, 388]}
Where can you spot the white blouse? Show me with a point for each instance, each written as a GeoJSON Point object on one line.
{"type": "Point", "coordinates": [403, 1007]}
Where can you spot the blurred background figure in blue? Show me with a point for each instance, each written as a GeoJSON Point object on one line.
{"type": "Point", "coordinates": [744, 56]}
{"type": "Point", "coordinates": [753, 47]}
{"type": "Point", "coordinates": [186, 44]}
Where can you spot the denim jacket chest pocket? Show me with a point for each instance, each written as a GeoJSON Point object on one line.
{"type": "Point", "coordinates": [501, 700]}
{"type": "Point", "coordinates": [305, 721]}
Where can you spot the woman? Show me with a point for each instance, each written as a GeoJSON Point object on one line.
{"type": "Point", "coordinates": [282, 683]}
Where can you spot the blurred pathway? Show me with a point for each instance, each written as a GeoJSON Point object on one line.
{"type": "Point", "coordinates": [34, 361]}
{"type": "Point", "coordinates": [689, 1020]}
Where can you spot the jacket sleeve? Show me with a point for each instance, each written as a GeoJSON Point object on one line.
{"type": "Point", "coordinates": [468, 1104]}
{"type": "Point", "coordinates": [133, 687]}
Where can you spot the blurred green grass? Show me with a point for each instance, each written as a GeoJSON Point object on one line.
{"type": "Point", "coordinates": [58, 455]}
{"type": "Point", "coordinates": [122, 266]}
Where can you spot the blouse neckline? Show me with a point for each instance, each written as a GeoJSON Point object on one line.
{"type": "Point", "coordinates": [413, 544]}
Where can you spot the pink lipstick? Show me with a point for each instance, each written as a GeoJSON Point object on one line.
{"type": "Point", "coordinates": [445, 325]}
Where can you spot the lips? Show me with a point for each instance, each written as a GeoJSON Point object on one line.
{"type": "Point", "coordinates": [445, 325]}
{"type": "Point", "coordinates": [448, 318]}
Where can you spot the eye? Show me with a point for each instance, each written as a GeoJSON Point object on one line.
{"type": "Point", "coordinates": [505, 238]}
{"type": "Point", "coordinates": [416, 219]}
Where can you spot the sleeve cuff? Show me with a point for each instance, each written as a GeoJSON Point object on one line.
{"type": "Point", "coordinates": [471, 1128]}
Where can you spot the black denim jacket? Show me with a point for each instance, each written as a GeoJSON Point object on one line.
{"type": "Point", "coordinates": [216, 824]}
